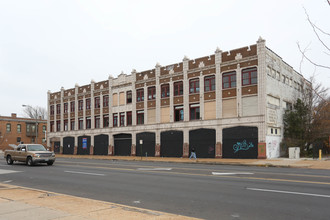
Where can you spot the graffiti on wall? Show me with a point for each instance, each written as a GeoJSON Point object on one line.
{"type": "Point", "coordinates": [273, 146]}
{"type": "Point", "coordinates": [242, 146]}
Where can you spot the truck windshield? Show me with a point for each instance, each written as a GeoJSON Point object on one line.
{"type": "Point", "coordinates": [36, 148]}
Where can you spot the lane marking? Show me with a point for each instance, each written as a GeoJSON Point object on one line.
{"type": "Point", "coordinates": [237, 173]}
{"type": "Point", "coordinates": [8, 171]}
{"type": "Point", "coordinates": [289, 192]}
{"type": "Point", "coordinates": [94, 174]}
{"type": "Point", "coordinates": [154, 169]}
{"type": "Point", "coordinates": [184, 168]}
{"type": "Point", "coordinates": [217, 176]}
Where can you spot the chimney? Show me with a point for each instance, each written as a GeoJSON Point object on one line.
{"type": "Point", "coordinates": [13, 115]}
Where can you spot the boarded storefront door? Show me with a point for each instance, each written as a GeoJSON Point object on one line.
{"type": "Point", "coordinates": [203, 140]}
{"type": "Point", "coordinates": [84, 144]}
{"type": "Point", "coordinates": [101, 144]}
{"type": "Point", "coordinates": [123, 144]}
{"type": "Point", "coordinates": [57, 147]}
{"type": "Point", "coordinates": [147, 148]}
{"type": "Point", "coordinates": [68, 145]}
{"type": "Point", "coordinates": [171, 144]}
{"type": "Point", "coordinates": [240, 142]}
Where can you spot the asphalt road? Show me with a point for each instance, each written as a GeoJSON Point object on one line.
{"type": "Point", "coordinates": [196, 190]}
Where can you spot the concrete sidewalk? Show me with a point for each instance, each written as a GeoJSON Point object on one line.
{"type": "Point", "coordinates": [31, 204]}
{"type": "Point", "coordinates": [278, 162]}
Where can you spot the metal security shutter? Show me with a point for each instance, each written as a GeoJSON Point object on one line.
{"type": "Point", "coordinates": [203, 140]}
{"type": "Point", "coordinates": [68, 145]}
{"type": "Point", "coordinates": [101, 144]}
{"type": "Point", "coordinates": [123, 144]}
{"type": "Point", "coordinates": [84, 144]}
{"type": "Point", "coordinates": [148, 146]}
{"type": "Point", "coordinates": [171, 144]}
{"type": "Point", "coordinates": [240, 142]}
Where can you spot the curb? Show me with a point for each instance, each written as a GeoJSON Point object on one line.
{"type": "Point", "coordinates": [190, 162]}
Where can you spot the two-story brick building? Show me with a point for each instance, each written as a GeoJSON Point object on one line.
{"type": "Point", "coordinates": [228, 104]}
{"type": "Point", "coordinates": [15, 130]}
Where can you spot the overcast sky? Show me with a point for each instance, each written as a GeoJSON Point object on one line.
{"type": "Point", "coordinates": [45, 45]}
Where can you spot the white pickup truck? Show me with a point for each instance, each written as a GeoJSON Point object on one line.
{"type": "Point", "coordinates": [30, 154]}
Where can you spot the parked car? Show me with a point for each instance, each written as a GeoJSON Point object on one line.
{"type": "Point", "coordinates": [30, 154]}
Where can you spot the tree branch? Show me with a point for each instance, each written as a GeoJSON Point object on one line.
{"type": "Point", "coordinates": [315, 64]}
{"type": "Point", "coordinates": [315, 27]}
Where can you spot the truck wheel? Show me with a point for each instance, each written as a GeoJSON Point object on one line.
{"type": "Point", "coordinates": [9, 160]}
{"type": "Point", "coordinates": [50, 163]}
{"type": "Point", "coordinates": [29, 161]}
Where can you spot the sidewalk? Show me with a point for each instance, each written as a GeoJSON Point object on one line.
{"type": "Point", "coordinates": [278, 162]}
{"type": "Point", "coordinates": [31, 204]}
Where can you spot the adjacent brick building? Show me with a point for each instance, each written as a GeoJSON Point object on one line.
{"type": "Point", "coordinates": [14, 130]}
{"type": "Point", "coordinates": [228, 104]}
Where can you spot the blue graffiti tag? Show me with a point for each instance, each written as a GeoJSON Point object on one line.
{"type": "Point", "coordinates": [242, 146]}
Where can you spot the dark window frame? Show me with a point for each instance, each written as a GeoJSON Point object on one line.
{"type": "Point", "coordinates": [80, 105]}
{"type": "Point", "coordinates": [72, 125]}
{"type": "Point", "coordinates": [128, 97]}
{"type": "Point", "coordinates": [106, 121]}
{"type": "Point", "coordinates": [194, 86]}
{"type": "Point", "coordinates": [97, 122]}
{"type": "Point", "coordinates": [88, 122]}
{"type": "Point", "coordinates": [58, 109]}
{"type": "Point", "coordinates": [72, 106]}
{"type": "Point", "coordinates": [178, 88]}
{"type": "Point", "coordinates": [247, 74]}
{"type": "Point", "coordinates": [128, 118]}
{"type": "Point", "coordinates": [52, 110]}
{"type": "Point", "coordinates": [193, 112]}
{"type": "Point", "coordinates": [80, 124]}
{"type": "Point", "coordinates": [177, 113]}
{"type": "Point", "coordinates": [140, 95]}
{"type": "Point", "coordinates": [65, 107]}
{"type": "Point", "coordinates": [97, 102]}
{"type": "Point", "coordinates": [228, 77]}
{"type": "Point", "coordinates": [65, 125]}
{"type": "Point", "coordinates": [58, 125]}
{"type": "Point", "coordinates": [151, 93]}
{"type": "Point", "coordinates": [209, 82]}
{"type": "Point", "coordinates": [88, 103]}
{"type": "Point", "coordinates": [8, 127]}
{"type": "Point", "coordinates": [106, 101]}
{"type": "Point", "coordinates": [140, 117]}
{"type": "Point", "coordinates": [115, 120]}
{"type": "Point", "coordinates": [122, 119]}
{"type": "Point", "coordinates": [165, 90]}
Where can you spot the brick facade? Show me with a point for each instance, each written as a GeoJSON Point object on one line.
{"type": "Point", "coordinates": [14, 130]}
{"type": "Point", "coordinates": [207, 101]}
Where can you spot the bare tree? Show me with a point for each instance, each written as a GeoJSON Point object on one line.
{"type": "Point", "coordinates": [35, 112]}
{"type": "Point", "coordinates": [320, 34]}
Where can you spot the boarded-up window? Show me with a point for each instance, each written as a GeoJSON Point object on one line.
{"type": "Point", "coordinates": [115, 99]}
{"type": "Point", "coordinates": [250, 105]}
{"type": "Point", "coordinates": [165, 115]}
{"type": "Point", "coordinates": [229, 108]}
{"type": "Point", "coordinates": [209, 110]}
{"type": "Point", "coordinates": [272, 100]}
{"type": "Point", "coordinates": [151, 116]}
{"type": "Point", "coordinates": [122, 98]}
